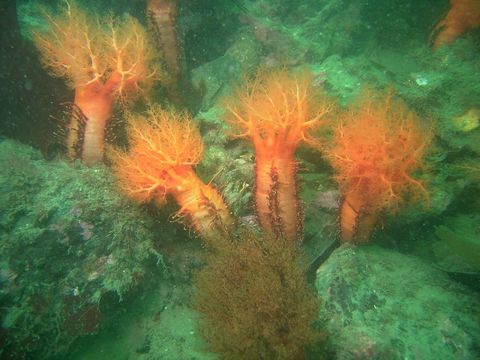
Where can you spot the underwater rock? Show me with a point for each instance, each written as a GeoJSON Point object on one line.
{"type": "Point", "coordinates": [228, 164]}
{"type": "Point", "coordinates": [460, 130]}
{"type": "Point", "coordinates": [68, 240]}
{"type": "Point", "coordinates": [212, 80]}
{"type": "Point", "coordinates": [30, 17]}
{"type": "Point", "coordinates": [294, 33]}
{"type": "Point", "coordinates": [460, 234]}
{"type": "Point", "coordinates": [176, 336]}
{"type": "Point", "coordinates": [379, 304]}
{"type": "Point", "coordinates": [341, 78]}
{"type": "Point", "coordinates": [321, 228]}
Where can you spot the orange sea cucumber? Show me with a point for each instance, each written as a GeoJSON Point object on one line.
{"type": "Point", "coordinates": [277, 112]}
{"type": "Point", "coordinates": [375, 150]}
{"type": "Point", "coordinates": [164, 149]}
{"type": "Point", "coordinates": [102, 63]}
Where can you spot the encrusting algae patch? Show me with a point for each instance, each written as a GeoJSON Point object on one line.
{"type": "Point", "coordinates": [468, 121]}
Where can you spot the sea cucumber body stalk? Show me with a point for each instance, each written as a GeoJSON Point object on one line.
{"type": "Point", "coordinates": [162, 16]}
{"type": "Point", "coordinates": [277, 113]}
{"type": "Point", "coordinates": [376, 148]}
{"type": "Point", "coordinates": [101, 62]}
{"type": "Point", "coordinates": [95, 107]}
{"type": "Point", "coordinates": [464, 15]}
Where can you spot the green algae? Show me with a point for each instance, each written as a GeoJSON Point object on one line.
{"type": "Point", "coordinates": [462, 234]}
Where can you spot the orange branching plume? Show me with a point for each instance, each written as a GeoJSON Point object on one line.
{"type": "Point", "coordinates": [102, 61]}
{"type": "Point", "coordinates": [164, 149]}
{"type": "Point", "coordinates": [464, 15]}
{"type": "Point", "coordinates": [277, 112]}
{"type": "Point", "coordinates": [375, 150]}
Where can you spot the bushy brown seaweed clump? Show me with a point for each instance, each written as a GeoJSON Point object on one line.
{"type": "Point", "coordinates": [254, 300]}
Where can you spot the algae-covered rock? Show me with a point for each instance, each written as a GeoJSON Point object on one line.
{"type": "Point", "coordinates": [159, 325]}
{"type": "Point", "coordinates": [228, 164]}
{"type": "Point", "coordinates": [380, 304]}
{"type": "Point", "coordinates": [30, 17]}
{"type": "Point", "coordinates": [321, 201]}
{"type": "Point", "coordinates": [461, 235]}
{"type": "Point", "coordinates": [67, 239]}
{"type": "Point", "coordinates": [305, 32]}
{"type": "Point", "coordinates": [341, 77]}
{"type": "Point", "coordinates": [176, 336]}
{"type": "Point", "coordinates": [213, 79]}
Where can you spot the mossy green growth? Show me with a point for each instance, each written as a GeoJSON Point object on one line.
{"type": "Point", "coordinates": [227, 163]}
{"type": "Point", "coordinates": [461, 234]}
{"type": "Point", "coordinates": [30, 17]}
{"type": "Point", "coordinates": [215, 79]}
{"type": "Point", "coordinates": [338, 76]}
{"type": "Point", "coordinates": [67, 239]}
{"type": "Point", "coordinates": [382, 304]}
{"type": "Point", "coordinates": [18, 180]}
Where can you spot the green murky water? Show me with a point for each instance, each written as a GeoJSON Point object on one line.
{"type": "Point", "coordinates": [251, 179]}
